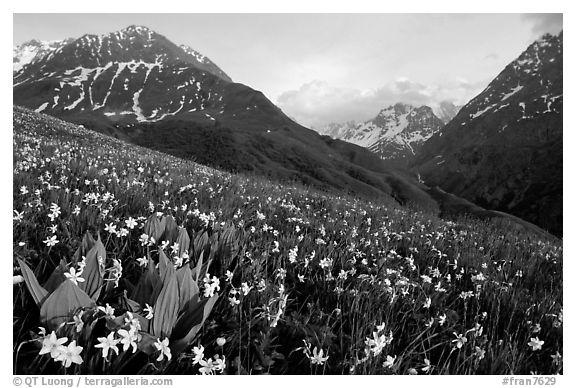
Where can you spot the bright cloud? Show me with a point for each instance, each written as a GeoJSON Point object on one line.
{"type": "Point", "coordinates": [545, 23]}
{"type": "Point", "coordinates": [318, 103]}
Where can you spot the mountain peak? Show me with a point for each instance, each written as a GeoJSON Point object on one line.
{"type": "Point", "coordinates": [397, 108]}
{"type": "Point", "coordinates": [33, 50]}
{"type": "Point", "coordinates": [425, 109]}
{"type": "Point", "coordinates": [529, 80]}
{"type": "Point", "coordinates": [395, 134]}
{"type": "Point", "coordinates": [547, 37]}
{"type": "Point", "coordinates": [137, 28]}
{"type": "Point", "coordinates": [133, 44]}
{"type": "Point", "coordinates": [445, 110]}
{"type": "Point", "coordinates": [134, 30]}
{"type": "Point", "coordinates": [504, 147]}
{"type": "Point", "coordinates": [32, 42]}
{"type": "Point", "coordinates": [189, 50]}
{"type": "Point", "coordinates": [129, 76]}
{"type": "Point", "coordinates": [402, 105]}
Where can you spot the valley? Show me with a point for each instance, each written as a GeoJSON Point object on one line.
{"type": "Point", "coordinates": [170, 220]}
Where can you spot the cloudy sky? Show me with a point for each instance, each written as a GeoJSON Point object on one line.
{"type": "Point", "coordinates": [322, 68]}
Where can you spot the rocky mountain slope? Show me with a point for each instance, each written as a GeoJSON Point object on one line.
{"type": "Point", "coordinates": [33, 50]}
{"type": "Point", "coordinates": [445, 110]}
{"type": "Point", "coordinates": [504, 148]}
{"type": "Point", "coordinates": [394, 187]}
{"type": "Point", "coordinates": [395, 134]}
{"type": "Point", "coordinates": [336, 130]}
{"type": "Point", "coordinates": [131, 75]}
{"type": "Point", "coordinates": [138, 86]}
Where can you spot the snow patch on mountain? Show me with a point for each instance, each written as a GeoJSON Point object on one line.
{"type": "Point", "coordinates": [41, 107]}
{"type": "Point", "coordinates": [514, 91]}
{"type": "Point", "coordinates": [521, 77]}
{"type": "Point", "coordinates": [33, 50]}
{"type": "Point", "coordinates": [77, 80]}
{"type": "Point", "coordinates": [189, 50]}
{"type": "Point", "coordinates": [396, 133]}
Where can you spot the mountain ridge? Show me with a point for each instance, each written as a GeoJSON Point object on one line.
{"type": "Point", "coordinates": [394, 134]}
{"type": "Point", "coordinates": [504, 148]}
{"type": "Point", "coordinates": [402, 190]}
{"type": "Point", "coordinates": [110, 47]}
{"type": "Point", "coordinates": [32, 50]}
{"type": "Point", "coordinates": [156, 99]}
{"type": "Point", "coordinates": [150, 96]}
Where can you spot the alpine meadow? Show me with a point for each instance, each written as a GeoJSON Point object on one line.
{"type": "Point", "coordinates": [170, 220]}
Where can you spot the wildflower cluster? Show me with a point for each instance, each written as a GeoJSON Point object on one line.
{"type": "Point", "coordinates": [132, 259]}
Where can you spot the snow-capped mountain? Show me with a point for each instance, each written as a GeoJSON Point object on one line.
{"type": "Point", "coordinates": [445, 110]}
{"type": "Point", "coordinates": [136, 85]}
{"type": "Point", "coordinates": [395, 134]}
{"type": "Point", "coordinates": [531, 81]}
{"type": "Point", "coordinates": [503, 150]}
{"type": "Point", "coordinates": [204, 63]}
{"type": "Point", "coordinates": [33, 50]}
{"type": "Point", "coordinates": [336, 130]}
{"type": "Point", "coordinates": [134, 75]}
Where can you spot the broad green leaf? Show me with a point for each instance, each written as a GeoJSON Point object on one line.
{"type": "Point", "coordinates": [170, 228]}
{"type": "Point", "coordinates": [229, 245]}
{"type": "Point", "coordinates": [202, 267]}
{"type": "Point", "coordinates": [146, 343]}
{"type": "Point", "coordinates": [187, 286]}
{"type": "Point", "coordinates": [88, 328]}
{"type": "Point", "coordinates": [67, 298]}
{"type": "Point", "coordinates": [191, 315]}
{"type": "Point", "coordinates": [201, 243]}
{"type": "Point", "coordinates": [133, 306]}
{"type": "Point", "coordinates": [214, 239]}
{"type": "Point", "coordinates": [183, 241]}
{"type": "Point", "coordinates": [87, 242]}
{"type": "Point", "coordinates": [96, 294]}
{"type": "Point", "coordinates": [157, 282]}
{"type": "Point", "coordinates": [228, 241]}
{"type": "Point", "coordinates": [162, 228]}
{"type": "Point", "coordinates": [57, 277]}
{"type": "Point", "coordinates": [91, 274]}
{"type": "Point", "coordinates": [100, 254]}
{"type": "Point", "coordinates": [166, 267]}
{"type": "Point", "coordinates": [153, 227]}
{"type": "Point", "coordinates": [190, 322]}
{"type": "Point", "coordinates": [149, 286]}
{"type": "Point", "coordinates": [36, 290]}
{"type": "Point", "coordinates": [166, 309]}
{"type": "Point", "coordinates": [196, 271]}
{"type": "Point", "coordinates": [77, 255]}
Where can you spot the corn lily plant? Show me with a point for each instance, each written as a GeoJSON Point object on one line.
{"type": "Point", "coordinates": [176, 307]}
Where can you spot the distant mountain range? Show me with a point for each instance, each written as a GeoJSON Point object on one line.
{"type": "Point", "coordinates": [137, 85]}
{"type": "Point", "coordinates": [33, 50]}
{"type": "Point", "coordinates": [397, 132]}
{"type": "Point", "coordinates": [504, 148]}
{"type": "Point", "coordinates": [134, 76]}
{"type": "Point", "coordinates": [445, 110]}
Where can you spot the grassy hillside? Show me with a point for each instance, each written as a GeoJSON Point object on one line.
{"type": "Point", "coordinates": [300, 156]}
{"type": "Point", "coordinates": [288, 153]}
{"type": "Point", "coordinates": [174, 267]}
{"type": "Point", "coordinates": [503, 150]}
